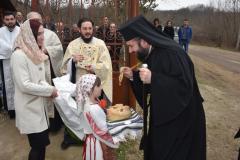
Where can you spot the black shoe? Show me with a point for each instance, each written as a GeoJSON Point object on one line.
{"type": "Point", "coordinates": [64, 145]}
{"type": "Point", "coordinates": [11, 114]}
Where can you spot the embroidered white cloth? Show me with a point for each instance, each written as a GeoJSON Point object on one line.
{"type": "Point", "coordinates": [83, 88]}
{"type": "Point", "coordinates": [126, 129]}
{"type": "Point", "coordinates": [26, 41]}
{"type": "Point", "coordinates": [67, 106]}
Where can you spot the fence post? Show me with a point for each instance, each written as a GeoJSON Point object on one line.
{"type": "Point", "coordinates": [133, 10]}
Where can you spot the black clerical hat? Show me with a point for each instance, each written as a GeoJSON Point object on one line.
{"type": "Point", "coordinates": [135, 28]}
{"type": "Point", "coordinates": [142, 28]}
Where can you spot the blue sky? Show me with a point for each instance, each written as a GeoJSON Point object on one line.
{"type": "Point", "coordinates": [177, 4]}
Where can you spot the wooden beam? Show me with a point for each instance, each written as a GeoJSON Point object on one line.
{"type": "Point", "coordinates": [133, 10]}
{"type": "Point", "coordinates": [34, 6]}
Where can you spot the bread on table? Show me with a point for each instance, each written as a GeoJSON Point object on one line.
{"type": "Point", "coordinates": [118, 112]}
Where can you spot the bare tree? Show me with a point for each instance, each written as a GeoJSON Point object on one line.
{"type": "Point", "coordinates": [233, 10]}
{"type": "Point", "coordinates": [147, 5]}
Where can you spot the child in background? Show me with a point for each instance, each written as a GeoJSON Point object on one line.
{"type": "Point", "coordinates": [98, 143]}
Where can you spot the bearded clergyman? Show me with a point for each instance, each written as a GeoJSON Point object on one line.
{"type": "Point", "coordinates": [8, 34]}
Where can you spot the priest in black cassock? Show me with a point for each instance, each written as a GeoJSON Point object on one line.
{"type": "Point", "coordinates": [177, 128]}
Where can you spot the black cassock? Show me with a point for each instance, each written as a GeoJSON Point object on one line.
{"type": "Point", "coordinates": [177, 129]}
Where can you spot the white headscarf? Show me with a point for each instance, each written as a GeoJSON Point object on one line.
{"type": "Point", "coordinates": [26, 41]}
{"type": "Point", "coordinates": [84, 86]}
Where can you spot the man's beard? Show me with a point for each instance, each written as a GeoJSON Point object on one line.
{"type": "Point", "coordinates": [142, 53]}
{"type": "Point", "coordinates": [85, 39]}
{"type": "Point", "coordinates": [11, 27]}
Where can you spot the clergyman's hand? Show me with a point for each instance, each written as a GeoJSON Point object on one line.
{"type": "Point", "coordinates": [127, 72]}
{"type": "Point", "coordinates": [145, 75]}
{"type": "Point", "coordinates": [77, 58]}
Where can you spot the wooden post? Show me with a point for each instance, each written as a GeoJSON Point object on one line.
{"type": "Point", "coordinates": [81, 14]}
{"type": "Point", "coordinates": [133, 10]}
{"type": "Point", "coordinates": [34, 6]}
{"type": "Point", "coordinates": [238, 39]}
{"type": "Point", "coordinates": [70, 10]}
{"type": "Point", "coordinates": [47, 11]}
{"type": "Point", "coordinates": [116, 10]}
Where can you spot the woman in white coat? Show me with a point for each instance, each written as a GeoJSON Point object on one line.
{"type": "Point", "coordinates": [31, 88]}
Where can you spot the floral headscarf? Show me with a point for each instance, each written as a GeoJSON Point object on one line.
{"type": "Point", "coordinates": [26, 41]}
{"type": "Point", "coordinates": [84, 86]}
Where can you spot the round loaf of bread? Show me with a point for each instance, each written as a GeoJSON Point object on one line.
{"type": "Point", "coordinates": [118, 112]}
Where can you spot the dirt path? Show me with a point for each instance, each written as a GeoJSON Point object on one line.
{"type": "Point", "coordinates": [219, 79]}
{"type": "Point", "coordinates": [227, 59]}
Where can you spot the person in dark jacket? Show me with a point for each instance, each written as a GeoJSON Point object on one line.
{"type": "Point", "coordinates": [114, 44]}
{"type": "Point", "coordinates": [19, 19]}
{"type": "Point", "coordinates": [157, 24]}
{"type": "Point", "coordinates": [49, 24]}
{"type": "Point", "coordinates": [103, 29]}
{"type": "Point", "coordinates": [75, 32]}
{"type": "Point", "coordinates": [177, 127]}
{"type": "Point", "coordinates": [169, 30]}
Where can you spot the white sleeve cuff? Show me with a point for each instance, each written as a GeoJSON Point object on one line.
{"type": "Point", "coordinates": [69, 66]}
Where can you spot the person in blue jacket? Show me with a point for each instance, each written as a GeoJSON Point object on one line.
{"type": "Point", "coordinates": [185, 35]}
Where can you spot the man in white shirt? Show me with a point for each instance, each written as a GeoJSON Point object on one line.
{"type": "Point", "coordinates": [8, 34]}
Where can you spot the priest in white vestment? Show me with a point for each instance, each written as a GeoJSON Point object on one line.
{"type": "Point", "coordinates": [8, 34]}
{"type": "Point", "coordinates": [89, 55]}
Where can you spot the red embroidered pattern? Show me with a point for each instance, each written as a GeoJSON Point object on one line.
{"type": "Point", "coordinates": [102, 134]}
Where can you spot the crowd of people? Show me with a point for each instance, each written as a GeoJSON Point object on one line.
{"type": "Point", "coordinates": [184, 32]}
{"type": "Point", "coordinates": [34, 51]}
